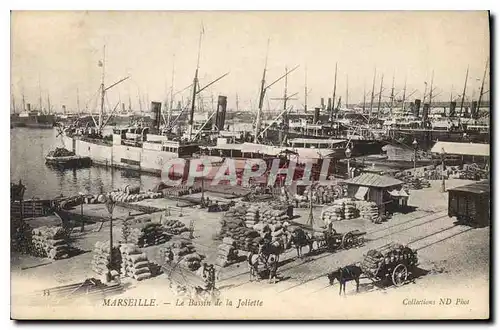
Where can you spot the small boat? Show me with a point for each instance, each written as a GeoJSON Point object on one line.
{"type": "Point", "coordinates": [63, 158]}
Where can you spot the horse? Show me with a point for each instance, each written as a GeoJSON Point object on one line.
{"type": "Point", "coordinates": [300, 239]}
{"type": "Point", "coordinates": [268, 256]}
{"type": "Point", "coordinates": [344, 275]}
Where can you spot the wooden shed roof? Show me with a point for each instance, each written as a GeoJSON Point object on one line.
{"type": "Point", "coordinates": [482, 187]}
{"type": "Point", "coordinates": [374, 180]}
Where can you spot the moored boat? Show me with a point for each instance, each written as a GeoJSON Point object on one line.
{"type": "Point", "coordinates": [63, 158]}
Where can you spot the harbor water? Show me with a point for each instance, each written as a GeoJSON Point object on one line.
{"type": "Point", "coordinates": [28, 148]}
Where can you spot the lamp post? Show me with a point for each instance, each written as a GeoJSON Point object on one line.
{"type": "Point", "coordinates": [415, 146]}
{"type": "Point", "coordinates": [110, 204]}
{"type": "Point", "coordinates": [81, 212]}
{"type": "Point", "coordinates": [443, 187]}
{"type": "Point", "coordinates": [348, 156]}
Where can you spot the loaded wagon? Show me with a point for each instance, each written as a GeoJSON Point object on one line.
{"type": "Point", "coordinates": [335, 241]}
{"type": "Point", "coordinates": [393, 262]}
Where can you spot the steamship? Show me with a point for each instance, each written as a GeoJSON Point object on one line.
{"type": "Point", "coordinates": [32, 119]}
{"type": "Point", "coordinates": [466, 125]}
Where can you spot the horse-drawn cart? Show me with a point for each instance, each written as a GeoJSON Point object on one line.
{"type": "Point", "coordinates": [394, 262]}
{"type": "Point", "coordinates": [335, 241]}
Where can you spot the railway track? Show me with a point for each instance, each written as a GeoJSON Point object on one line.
{"type": "Point", "coordinates": [456, 231]}
{"type": "Point", "coordinates": [89, 290]}
{"type": "Point", "coordinates": [290, 252]}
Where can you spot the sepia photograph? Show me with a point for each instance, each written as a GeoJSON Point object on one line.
{"type": "Point", "coordinates": [250, 165]}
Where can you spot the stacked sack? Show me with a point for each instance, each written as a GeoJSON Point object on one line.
{"type": "Point", "coordinates": [350, 210]}
{"type": "Point", "coordinates": [280, 234]}
{"type": "Point", "coordinates": [246, 239]}
{"type": "Point", "coordinates": [273, 216]}
{"type": "Point", "coordinates": [252, 216]}
{"type": "Point", "coordinates": [390, 254]}
{"type": "Point", "coordinates": [235, 225]}
{"type": "Point", "coordinates": [135, 263]}
{"type": "Point", "coordinates": [50, 242]}
{"type": "Point", "coordinates": [320, 194]}
{"type": "Point", "coordinates": [147, 234]}
{"type": "Point", "coordinates": [100, 260]}
{"type": "Point", "coordinates": [232, 219]}
{"type": "Point", "coordinates": [227, 253]}
{"type": "Point", "coordinates": [174, 227]}
{"type": "Point", "coordinates": [369, 211]}
{"type": "Point", "coordinates": [20, 235]}
{"type": "Point", "coordinates": [332, 213]}
{"type": "Point", "coordinates": [181, 250]}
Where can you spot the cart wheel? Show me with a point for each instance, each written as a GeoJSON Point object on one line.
{"type": "Point", "coordinates": [347, 240]}
{"type": "Point", "coordinates": [399, 275]}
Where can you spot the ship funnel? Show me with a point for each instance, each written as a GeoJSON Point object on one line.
{"type": "Point", "coordinates": [123, 107]}
{"type": "Point", "coordinates": [474, 111]}
{"type": "Point", "coordinates": [316, 115]}
{"type": "Point", "coordinates": [453, 106]}
{"type": "Point", "coordinates": [28, 107]}
{"type": "Point", "coordinates": [322, 103]}
{"type": "Point", "coordinates": [156, 109]}
{"type": "Point", "coordinates": [64, 109]}
{"type": "Point", "coordinates": [329, 107]}
{"type": "Point", "coordinates": [220, 115]}
{"type": "Point", "coordinates": [425, 112]}
{"type": "Point", "coordinates": [416, 111]}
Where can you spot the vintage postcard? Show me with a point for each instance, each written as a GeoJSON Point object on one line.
{"type": "Point", "coordinates": [180, 165]}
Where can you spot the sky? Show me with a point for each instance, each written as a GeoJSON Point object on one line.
{"type": "Point", "coordinates": [57, 53]}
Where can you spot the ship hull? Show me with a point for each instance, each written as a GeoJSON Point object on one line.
{"type": "Point", "coordinates": [427, 138]}
{"type": "Point", "coordinates": [32, 121]}
{"type": "Point", "coordinates": [358, 147]}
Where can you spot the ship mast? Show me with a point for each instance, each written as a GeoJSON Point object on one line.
{"type": "Point", "coordinates": [334, 91]}
{"type": "Point", "coordinates": [482, 86]}
{"type": "Point", "coordinates": [195, 86]}
{"type": "Point", "coordinates": [48, 103]}
{"type": "Point", "coordinates": [305, 91]}
{"type": "Point", "coordinates": [286, 86]}
{"type": "Point", "coordinates": [169, 112]}
{"type": "Point", "coordinates": [261, 97]}
{"type": "Point", "coordinates": [380, 95]}
{"type": "Point", "coordinates": [40, 94]}
{"type": "Point", "coordinates": [103, 91]}
{"type": "Point", "coordinates": [347, 92]}
{"type": "Point", "coordinates": [77, 100]}
{"type": "Point", "coordinates": [425, 92]}
{"type": "Point", "coordinates": [13, 99]}
{"type": "Point", "coordinates": [101, 123]}
{"type": "Point", "coordinates": [430, 93]}
{"type": "Point", "coordinates": [139, 100]}
{"type": "Point", "coordinates": [465, 88]}
{"type": "Point", "coordinates": [373, 93]}
{"type": "Point", "coordinates": [392, 94]}
{"type": "Point", "coordinates": [404, 94]}
{"type": "Point", "coordinates": [364, 96]}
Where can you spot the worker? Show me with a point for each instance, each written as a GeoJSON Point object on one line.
{"type": "Point", "coordinates": [267, 235]}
